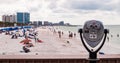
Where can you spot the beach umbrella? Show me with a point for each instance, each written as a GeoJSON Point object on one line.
{"type": "Point", "coordinates": [9, 29]}
{"type": "Point", "coordinates": [3, 30]}
{"type": "Point", "coordinates": [25, 41]}
{"type": "Point", "coordinates": [6, 29]}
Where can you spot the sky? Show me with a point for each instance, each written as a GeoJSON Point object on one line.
{"type": "Point", "coordinates": [75, 12]}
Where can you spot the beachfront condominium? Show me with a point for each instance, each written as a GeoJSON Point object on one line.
{"type": "Point", "coordinates": [13, 18]}
{"type": "Point", "coordinates": [37, 23]}
{"type": "Point", "coordinates": [9, 18]}
{"type": "Point", "coordinates": [23, 17]}
{"type": "Point", "coordinates": [46, 23]}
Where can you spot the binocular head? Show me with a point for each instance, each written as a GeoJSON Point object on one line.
{"type": "Point", "coordinates": [93, 32]}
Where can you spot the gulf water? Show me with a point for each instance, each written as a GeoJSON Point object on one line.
{"type": "Point", "coordinates": [114, 33]}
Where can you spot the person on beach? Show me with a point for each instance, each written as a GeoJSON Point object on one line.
{"type": "Point", "coordinates": [17, 33]}
{"type": "Point", "coordinates": [35, 34]}
{"type": "Point", "coordinates": [37, 39]}
{"type": "Point", "coordinates": [14, 36]}
{"type": "Point", "coordinates": [69, 32]}
{"type": "Point", "coordinates": [7, 33]}
{"type": "Point", "coordinates": [62, 33]}
{"type": "Point", "coordinates": [32, 34]}
{"type": "Point", "coordinates": [108, 38]}
{"type": "Point", "coordinates": [26, 35]}
{"type": "Point", "coordinates": [117, 35]}
{"type": "Point", "coordinates": [70, 35]}
{"type": "Point", "coordinates": [74, 34]}
{"type": "Point", "coordinates": [11, 33]}
{"type": "Point", "coordinates": [111, 35]}
{"type": "Point", "coordinates": [54, 31]}
{"type": "Point", "coordinates": [25, 49]}
{"type": "Point", "coordinates": [24, 32]}
{"type": "Point", "coordinates": [59, 33]}
{"type": "Point", "coordinates": [68, 42]}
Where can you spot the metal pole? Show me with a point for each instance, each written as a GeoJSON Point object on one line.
{"type": "Point", "coordinates": [92, 57]}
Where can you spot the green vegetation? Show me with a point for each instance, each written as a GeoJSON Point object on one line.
{"type": "Point", "coordinates": [9, 24]}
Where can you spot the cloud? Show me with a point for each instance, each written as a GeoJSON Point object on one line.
{"type": "Point", "coordinates": [8, 1]}
{"type": "Point", "coordinates": [52, 4]}
{"type": "Point", "coordinates": [33, 5]}
{"type": "Point", "coordinates": [82, 10]}
{"type": "Point", "coordinates": [33, 8]}
{"type": "Point", "coordinates": [84, 5]}
{"type": "Point", "coordinates": [87, 5]}
{"type": "Point", "coordinates": [72, 11]}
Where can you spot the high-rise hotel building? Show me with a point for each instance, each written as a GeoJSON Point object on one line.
{"type": "Point", "coordinates": [23, 17]}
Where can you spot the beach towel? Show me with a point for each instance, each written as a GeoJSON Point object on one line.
{"type": "Point", "coordinates": [40, 41]}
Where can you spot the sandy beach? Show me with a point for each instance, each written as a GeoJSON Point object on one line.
{"type": "Point", "coordinates": [51, 45]}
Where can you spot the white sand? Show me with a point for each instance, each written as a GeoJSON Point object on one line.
{"type": "Point", "coordinates": [52, 45]}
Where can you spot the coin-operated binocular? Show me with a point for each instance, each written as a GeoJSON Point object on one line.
{"type": "Point", "coordinates": [93, 36]}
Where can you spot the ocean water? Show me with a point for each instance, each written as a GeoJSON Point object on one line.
{"type": "Point", "coordinates": [114, 33]}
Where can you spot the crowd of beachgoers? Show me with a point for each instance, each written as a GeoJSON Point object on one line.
{"type": "Point", "coordinates": [30, 34]}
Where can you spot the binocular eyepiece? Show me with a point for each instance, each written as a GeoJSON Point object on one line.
{"type": "Point", "coordinates": [93, 32]}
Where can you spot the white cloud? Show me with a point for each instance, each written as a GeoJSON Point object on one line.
{"type": "Point", "coordinates": [73, 11]}
{"type": "Point", "coordinates": [7, 1]}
